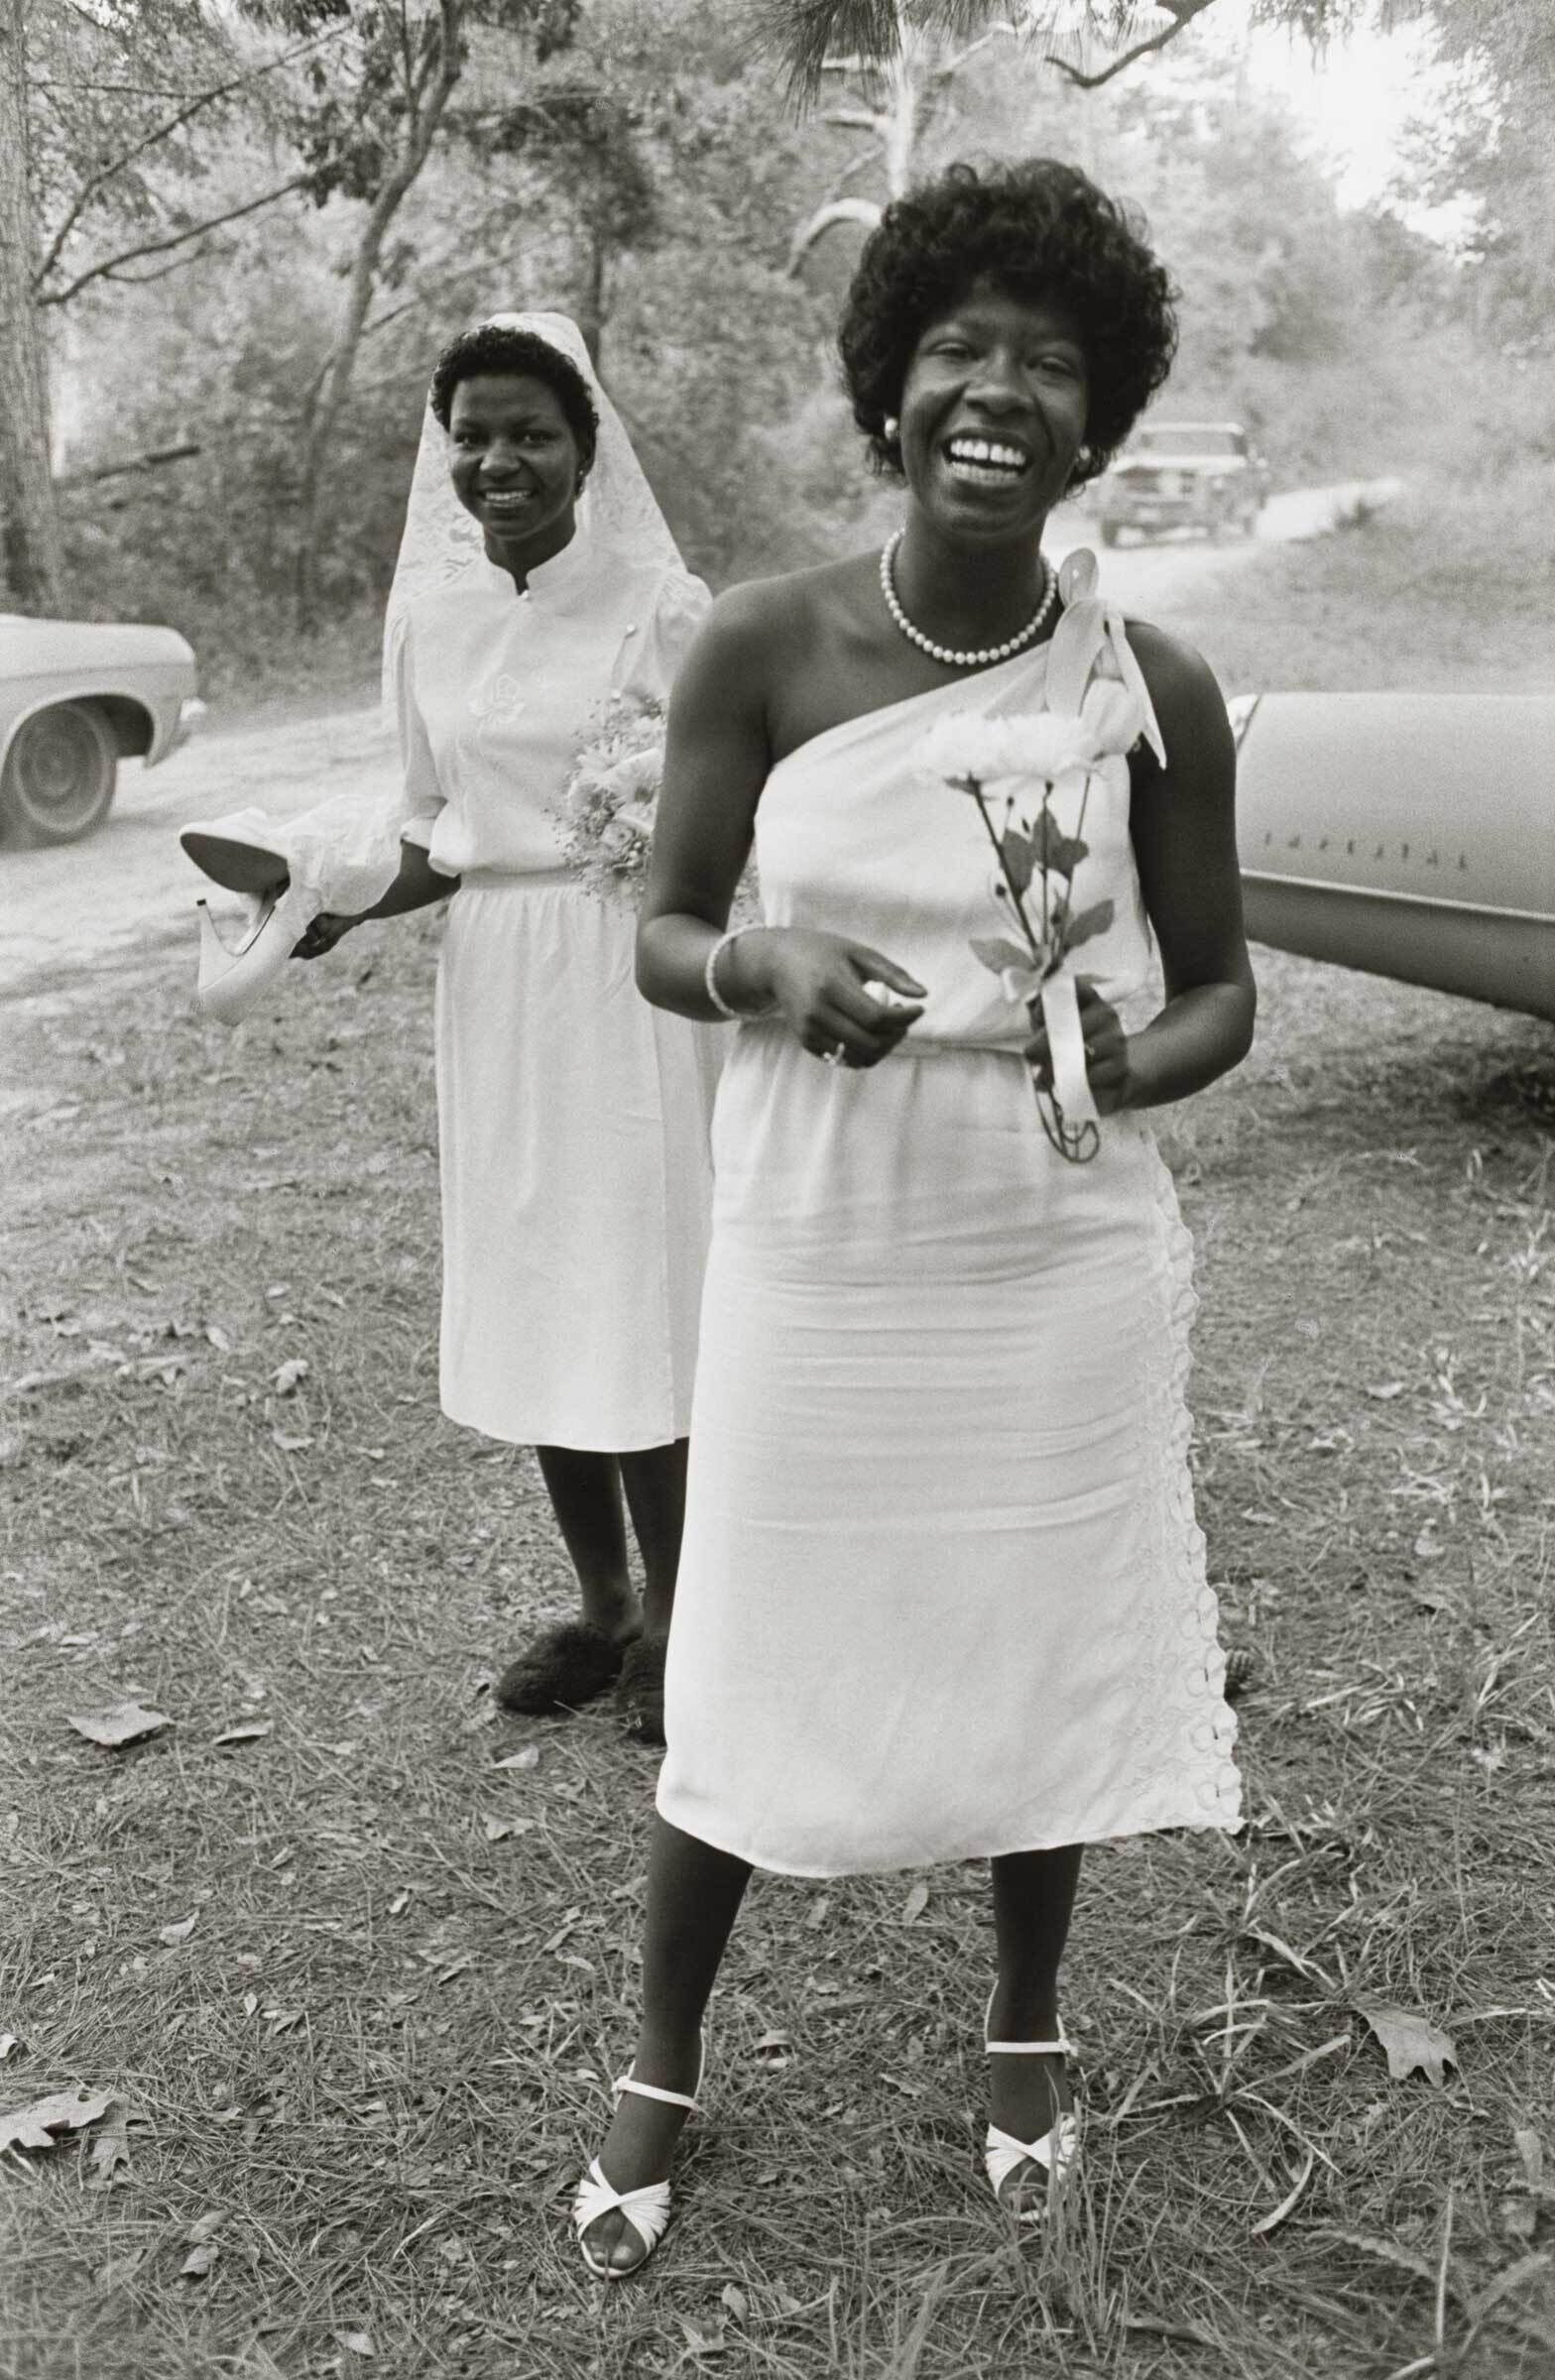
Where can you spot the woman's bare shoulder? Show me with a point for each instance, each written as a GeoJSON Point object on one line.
{"type": "Point", "coordinates": [1174, 670]}
{"type": "Point", "coordinates": [769, 626]}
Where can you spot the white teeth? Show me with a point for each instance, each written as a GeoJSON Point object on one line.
{"type": "Point", "coordinates": [989, 452]}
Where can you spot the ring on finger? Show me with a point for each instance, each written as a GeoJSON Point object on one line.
{"type": "Point", "coordinates": [835, 1056]}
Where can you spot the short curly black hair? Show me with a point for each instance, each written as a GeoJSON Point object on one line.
{"type": "Point", "coordinates": [1035, 229]}
{"type": "Point", "coordinates": [498, 347]}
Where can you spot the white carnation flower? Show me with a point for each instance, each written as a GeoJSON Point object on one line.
{"type": "Point", "coordinates": [1032, 746]}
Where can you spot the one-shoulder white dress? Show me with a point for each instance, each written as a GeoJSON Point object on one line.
{"type": "Point", "coordinates": [942, 1593]}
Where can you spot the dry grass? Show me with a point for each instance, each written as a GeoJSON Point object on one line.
{"type": "Point", "coordinates": [380, 2054]}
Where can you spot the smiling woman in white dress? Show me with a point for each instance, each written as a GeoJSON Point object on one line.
{"type": "Point", "coordinates": [572, 1116]}
{"type": "Point", "coordinates": [942, 1595]}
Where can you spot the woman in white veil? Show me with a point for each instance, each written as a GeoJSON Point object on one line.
{"type": "Point", "coordinates": [537, 575]}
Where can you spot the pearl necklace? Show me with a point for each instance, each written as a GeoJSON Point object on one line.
{"type": "Point", "coordinates": [944, 652]}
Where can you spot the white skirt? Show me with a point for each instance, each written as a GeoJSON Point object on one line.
{"type": "Point", "coordinates": [576, 1183]}
{"type": "Point", "coordinates": [942, 1593]}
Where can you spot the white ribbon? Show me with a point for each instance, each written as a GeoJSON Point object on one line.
{"type": "Point", "coordinates": [1066, 1048]}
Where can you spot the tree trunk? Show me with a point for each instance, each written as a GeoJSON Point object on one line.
{"type": "Point", "coordinates": [32, 560]}
{"type": "Point", "coordinates": [591, 302]}
{"type": "Point", "coordinates": [335, 386]}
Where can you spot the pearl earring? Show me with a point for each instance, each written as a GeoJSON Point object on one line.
{"type": "Point", "coordinates": [891, 429]}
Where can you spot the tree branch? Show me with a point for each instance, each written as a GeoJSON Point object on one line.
{"type": "Point", "coordinates": [1182, 14]}
{"type": "Point", "coordinates": [99, 180]}
{"type": "Point", "coordinates": [950, 68]}
{"type": "Point", "coordinates": [127, 256]}
{"type": "Point", "coordinates": [137, 462]}
{"type": "Point", "coordinates": [824, 219]}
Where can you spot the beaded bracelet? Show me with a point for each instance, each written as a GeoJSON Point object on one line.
{"type": "Point", "coordinates": [711, 982]}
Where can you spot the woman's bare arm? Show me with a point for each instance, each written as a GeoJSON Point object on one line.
{"type": "Point", "coordinates": [1184, 830]}
{"type": "Point", "coordinates": [715, 764]}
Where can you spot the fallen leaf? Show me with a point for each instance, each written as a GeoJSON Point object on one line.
{"type": "Point", "coordinates": [400, 1902]}
{"type": "Point", "coordinates": [458, 1968]}
{"type": "Point", "coordinates": [250, 1731]}
{"type": "Point", "coordinates": [281, 2020]}
{"type": "Point", "coordinates": [915, 1903]}
{"type": "Point", "coordinates": [735, 2299]}
{"type": "Point", "coordinates": [197, 2263]}
{"type": "Point", "coordinates": [34, 2127]}
{"type": "Point", "coordinates": [218, 1338]}
{"type": "Point", "coordinates": [357, 2342]}
{"type": "Point", "coordinates": [119, 1723]}
{"type": "Point", "coordinates": [497, 1830]}
{"type": "Point", "coordinates": [527, 1759]}
{"type": "Point", "coordinates": [817, 1913]}
{"type": "Point", "coordinates": [110, 2149]}
{"type": "Point", "coordinates": [769, 2042]}
{"type": "Point", "coordinates": [206, 2227]}
{"type": "Point", "coordinates": [287, 1374]}
{"type": "Point", "coordinates": [1383, 1389]}
{"type": "Point", "coordinates": [290, 1446]}
{"type": "Point", "coordinates": [8, 2042]}
{"type": "Point", "coordinates": [174, 1935]}
{"type": "Point", "coordinates": [1413, 2043]}
{"type": "Point", "coordinates": [1526, 2142]}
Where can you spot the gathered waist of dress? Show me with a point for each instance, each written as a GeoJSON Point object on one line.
{"type": "Point", "coordinates": [507, 879]}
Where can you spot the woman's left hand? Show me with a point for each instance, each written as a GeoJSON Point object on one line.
{"type": "Point", "coordinates": [1106, 1053]}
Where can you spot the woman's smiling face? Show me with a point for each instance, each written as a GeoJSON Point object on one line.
{"type": "Point", "coordinates": [514, 461]}
{"type": "Point", "coordinates": [992, 414]}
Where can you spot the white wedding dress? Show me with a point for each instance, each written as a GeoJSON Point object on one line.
{"type": "Point", "coordinates": [572, 1117]}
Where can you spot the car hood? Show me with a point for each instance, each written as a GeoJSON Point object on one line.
{"type": "Point", "coordinates": [30, 646]}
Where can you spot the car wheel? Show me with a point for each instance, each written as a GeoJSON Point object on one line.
{"type": "Point", "coordinates": [60, 772]}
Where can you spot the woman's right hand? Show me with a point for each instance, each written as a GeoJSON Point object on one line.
{"type": "Point", "coordinates": [327, 928]}
{"type": "Point", "coordinates": [819, 983]}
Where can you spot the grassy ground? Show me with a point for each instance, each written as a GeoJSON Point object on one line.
{"type": "Point", "coordinates": [360, 2084]}
{"type": "Point", "coordinates": [1416, 595]}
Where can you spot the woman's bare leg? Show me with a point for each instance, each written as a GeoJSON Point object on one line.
{"type": "Point", "coordinates": [1034, 1898]}
{"type": "Point", "coordinates": [570, 1663]}
{"type": "Point", "coordinates": [655, 1481]}
{"type": "Point", "coordinates": [693, 1898]}
{"type": "Point", "coordinates": [586, 1496]}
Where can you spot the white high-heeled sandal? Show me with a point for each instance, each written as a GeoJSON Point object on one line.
{"type": "Point", "coordinates": [648, 2208]}
{"type": "Point", "coordinates": [233, 977]}
{"type": "Point", "coordinates": [1054, 2153]}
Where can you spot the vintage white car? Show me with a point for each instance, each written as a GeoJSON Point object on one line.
{"type": "Point", "coordinates": [75, 697]}
{"type": "Point", "coordinates": [1408, 834]}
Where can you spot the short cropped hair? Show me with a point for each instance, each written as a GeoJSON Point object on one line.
{"type": "Point", "coordinates": [1036, 230]}
{"type": "Point", "coordinates": [499, 347]}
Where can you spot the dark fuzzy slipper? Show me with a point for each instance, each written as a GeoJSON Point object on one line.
{"type": "Point", "coordinates": [568, 1665]}
{"type": "Point", "coordinates": [640, 1695]}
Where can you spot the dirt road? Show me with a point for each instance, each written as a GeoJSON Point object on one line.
{"type": "Point", "coordinates": [71, 913]}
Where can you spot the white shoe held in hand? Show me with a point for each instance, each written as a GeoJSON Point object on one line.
{"type": "Point", "coordinates": [234, 977]}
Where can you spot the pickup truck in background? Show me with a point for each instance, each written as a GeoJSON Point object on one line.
{"type": "Point", "coordinates": [1193, 475]}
